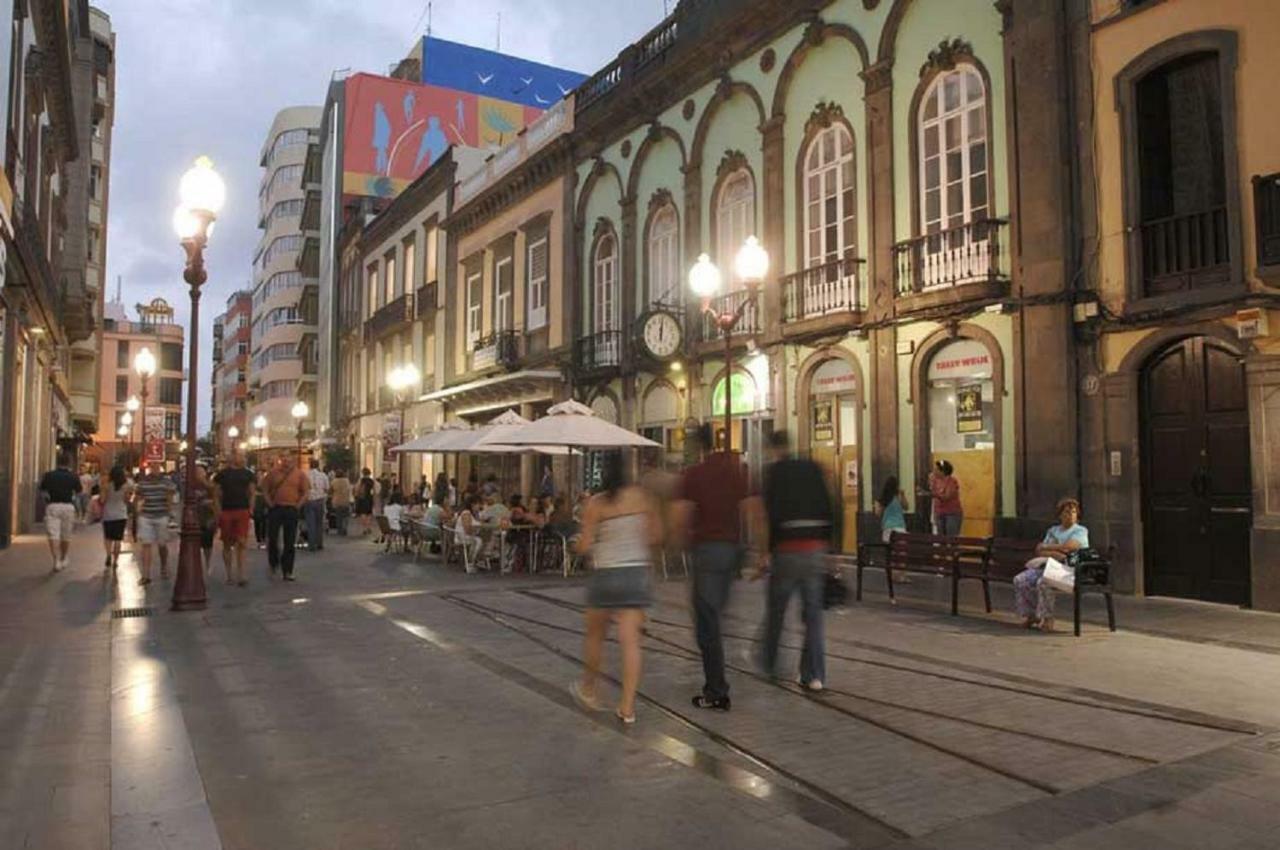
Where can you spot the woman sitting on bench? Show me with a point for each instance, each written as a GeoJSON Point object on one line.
{"type": "Point", "coordinates": [1033, 599]}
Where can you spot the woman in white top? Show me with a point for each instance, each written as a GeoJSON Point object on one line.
{"type": "Point", "coordinates": [620, 527]}
{"type": "Point", "coordinates": [467, 532]}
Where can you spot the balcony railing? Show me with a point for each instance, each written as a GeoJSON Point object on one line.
{"type": "Point", "coordinates": [709, 329]}
{"type": "Point", "coordinates": [1185, 251]}
{"type": "Point", "coordinates": [598, 351]}
{"type": "Point", "coordinates": [425, 300]}
{"type": "Point", "coordinates": [388, 318]}
{"type": "Point", "coordinates": [554, 122]}
{"type": "Point", "coordinates": [973, 252]}
{"type": "Point", "coordinates": [501, 348]}
{"type": "Point", "coordinates": [831, 288]}
{"type": "Point", "coordinates": [1266, 213]}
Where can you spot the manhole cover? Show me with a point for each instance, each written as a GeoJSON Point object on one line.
{"type": "Point", "coordinates": [120, 613]}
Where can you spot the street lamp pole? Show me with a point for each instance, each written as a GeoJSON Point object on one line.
{"type": "Point", "coordinates": [299, 413]}
{"type": "Point", "coordinates": [402, 380]}
{"type": "Point", "coordinates": [131, 407]}
{"type": "Point", "coordinates": [144, 363]}
{"type": "Point", "coordinates": [260, 423]}
{"type": "Point", "coordinates": [202, 193]}
{"type": "Point", "coordinates": [751, 264]}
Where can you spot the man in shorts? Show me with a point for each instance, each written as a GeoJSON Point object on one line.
{"type": "Point", "coordinates": [156, 494]}
{"type": "Point", "coordinates": [60, 487]}
{"type": "Point", "coordinates": [233, 495]}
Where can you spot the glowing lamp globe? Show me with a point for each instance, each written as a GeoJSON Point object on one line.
{"type": "Point", "coordinates": [144, 363]}
{"type": "Point", "coordinates": [233, 432]}
{"type": "Point", "coordinates": [202, 190]}
{"type": "Point", "coordinates": [300, 410]}
{"type": "Point", "coordinates": [260, 422]}
{"type": "Point", "coordinates": [752, 262]}
{"type": "Point", "coordinates": [127, 419]}
{"type": "Point", "coordinates": [132, 404]}
{"type": "Point", "coordinates": [704, 277]}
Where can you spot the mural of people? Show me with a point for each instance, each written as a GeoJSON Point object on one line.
{"type": "Point", "coordinates": [381, 137]}
{"type": "Point", "coordinates": [433, 144]}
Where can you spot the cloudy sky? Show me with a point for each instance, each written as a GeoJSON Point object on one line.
{"type": "Point", "coordinates": [207, 76]}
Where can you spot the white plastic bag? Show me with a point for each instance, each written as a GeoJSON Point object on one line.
{"type": "Point", "coordinates": [1058, 576]}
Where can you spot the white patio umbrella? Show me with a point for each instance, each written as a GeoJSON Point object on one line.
{"type": "Point", "coordinates": [447, 434]}
{"type": "Point", "coordinates": [573, 425]}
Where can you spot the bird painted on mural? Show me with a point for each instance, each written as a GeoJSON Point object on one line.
{"type": "Point", "coordinates": [484, 81]}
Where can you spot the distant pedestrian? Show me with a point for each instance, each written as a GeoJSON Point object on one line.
{"type": "Point", "coordinates": [945, 489]}
{"type": "Point", "coordinates": [547, 487]}
{"type": "Point", "coordinates": [286, 489]}
{"type": "Point", "coordinates": [619, 530]}
{"type": "Point", "coordinates": [340, 497]}
{"type": "Point", "coordinates": [364, 501]}
{"type": "Point", "coordinates": [260, 510]}
{"type": "Point", "coordinates": [710, 501]}
{"type": "Point", "coordinates": [156, 494]}
{"type": "Point", "coordinates": [234, 491]}
{"type": "Point", "coordinates": [799, 523]}
{"type": "Point", "coordinates": [313, 511]}
{"type": "Point", "coordinates": [440, 493]}
{"type": "Point", "coordinates": [116, 490]}
{"type": "Point", "coordinates": [891, 507]}
{"type": "Point", "coordinates": [60, 487]}
{"type": "Point", "coordinates": [202, 490]}
{"type": "Point", "coordinates": [85, 494]}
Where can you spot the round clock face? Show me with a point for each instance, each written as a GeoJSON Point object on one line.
{"type": "Point", "coordinates": [661, 335]}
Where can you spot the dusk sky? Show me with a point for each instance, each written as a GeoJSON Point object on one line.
{"type": "Point", "coordinates": [207, 77]}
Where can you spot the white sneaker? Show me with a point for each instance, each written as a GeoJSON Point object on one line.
{"type": "Point", "coordinates": [58, 565]}
{"type": "Point", "coordinates": [815, 685]}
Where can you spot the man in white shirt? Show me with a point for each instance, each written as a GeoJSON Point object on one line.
{"type": "Point", "coordinates": [85, 496]}
{"type": "Point", "coordinates": [313, 510]}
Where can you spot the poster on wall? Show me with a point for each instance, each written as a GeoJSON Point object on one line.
{"type": "Point", "coordinates": [823, 423]}
{"type": "Point", "coordinates": [392, 433]}
{"type": "Point", "coordinates": [969, 409]}
{"type": "Point", "coordinates": [851, 476]}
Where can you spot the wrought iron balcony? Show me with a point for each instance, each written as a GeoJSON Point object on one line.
{"type": "Point", "coordinates": [1184, 252]}
{"type": "Point", "coordinates": [974, 252]}
{"type": "Point", "coordinates": [1266, 212]}
{"type": "Point", "coordinates": [598, 352]}
{"type": "Point", "coordinates": [389, 318]}
{"type": "Point", "coordinates": [728, 304]}
{"type": "Point", "coordinates": [501, 348]}
{"type": "Point", "coordinates": [834, 288]}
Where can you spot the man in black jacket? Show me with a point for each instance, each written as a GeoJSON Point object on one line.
{"type": "Point", "coordinates": [800, 524]}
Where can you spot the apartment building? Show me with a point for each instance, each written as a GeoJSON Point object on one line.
{"type": "Point", "coordinates": [229, 377]}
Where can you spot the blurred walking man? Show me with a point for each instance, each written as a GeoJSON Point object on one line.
{"type": "Point", "coordinates": [286, 488]}
{"type": "Point", "coordinates": [800, 523]}
{"type": "Point", "coordinates": [708, 518]}
{"type": "Point", "coordinates": [60, 487]}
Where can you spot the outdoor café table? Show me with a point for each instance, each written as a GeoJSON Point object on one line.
{"type": "Point", "coordinates": [522, 536]}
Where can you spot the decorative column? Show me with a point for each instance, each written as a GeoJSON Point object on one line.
{"type": "Point", "coordinates": [692, 248]}
{"type": "Point", "coordinates": [773, 201]}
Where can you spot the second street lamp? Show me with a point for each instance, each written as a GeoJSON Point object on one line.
{"type": "Point", "coordinates": [751, 265]}
{"type": "Point", "coordinates": [131, 407]}
{"type": "Point", "coordinates": [202, 193]}
{"type": "Point", "coordinates": [299, 413]}
{"type": "Point", "coordinates": [401, 382]}
{"type": "Point", "coordinates": [144, 363]}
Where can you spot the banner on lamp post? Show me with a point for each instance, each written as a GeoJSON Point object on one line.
{"type": "Point", "coordinates": [392, 434]}
{"type": "Point", "coordinates": [155, 451]}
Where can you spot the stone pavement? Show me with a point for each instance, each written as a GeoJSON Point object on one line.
{"type": "Point", "coordinates": [383, 703]}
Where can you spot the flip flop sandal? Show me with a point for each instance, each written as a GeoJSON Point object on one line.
{"type": "Point", "coordinates": [627, 719]}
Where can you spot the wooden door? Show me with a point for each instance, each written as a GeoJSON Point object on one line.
{"type": "Point", "coordinates": [1196, 481]}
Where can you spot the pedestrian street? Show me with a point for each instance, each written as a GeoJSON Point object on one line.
{"type": "Point", "coordinates": [386, 702]}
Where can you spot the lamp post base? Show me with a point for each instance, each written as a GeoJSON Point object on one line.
{"type": "Point", "coordinates": [188, 587]}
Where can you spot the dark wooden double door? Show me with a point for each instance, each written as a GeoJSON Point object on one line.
{"type": "Point", "coordinates": [1197, 489]}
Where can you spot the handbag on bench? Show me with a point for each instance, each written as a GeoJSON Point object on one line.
{"type": "Point", "coordinates": [1091, 566]}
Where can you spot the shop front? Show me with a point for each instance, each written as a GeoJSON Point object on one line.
{"type": "Point", "coordinates": [831, 407]}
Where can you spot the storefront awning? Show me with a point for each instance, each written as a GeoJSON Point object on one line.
{"type": "Point", "coordinates": [499, 391]}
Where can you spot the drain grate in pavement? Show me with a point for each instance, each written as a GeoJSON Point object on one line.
{"type": "Point", "coordinates": [120, 613]}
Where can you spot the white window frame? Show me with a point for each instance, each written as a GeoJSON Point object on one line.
{"type": "Point", "coordinates": [735, 220]}
{"type": "Point", "coordinates": [410, 250]}
{"type": "Point", "coordinates": [664, 256]}
{"type": "Point", "coordinates": [504, 313]}
{"type": "Point", "coordinates": [390, 282]}
{"type": "Point", "coordinates": [970, 115]}
{"type": "Point", "coordinates": [372, 285]}
{"type": "Point", "coordinates": [834, 174]}
{"type": "Point", "coordinates": [537, 284]}
{"type": "Point", "coordinates": [604, 302]}
{"type": "Point", "coordinates": [475, 295]}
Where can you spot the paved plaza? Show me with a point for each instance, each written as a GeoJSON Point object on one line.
{"type": "Point", "coordinates": [383, 703]}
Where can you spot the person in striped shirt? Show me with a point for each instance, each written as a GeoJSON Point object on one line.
{"type": "Point", "coordinates": [154, 497]}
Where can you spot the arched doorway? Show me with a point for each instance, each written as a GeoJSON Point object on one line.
{"type": "Point", "coordinates": [832, 438]}
{"type": "Point", "coordinates": [1196, 482]}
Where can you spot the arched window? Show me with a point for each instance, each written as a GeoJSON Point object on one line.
{"type": "Point", "coordinates": [829, 203]}
{"type": "Point", "coordinates": [953, 151]}
{"type": "Point", "coordinates": [735, 219]}
{"type": "Point", "coordinates": [605, 296]}
{"type": "Point", "coordinates": [664, 256]}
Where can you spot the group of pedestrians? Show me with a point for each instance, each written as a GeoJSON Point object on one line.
{"type": "Point", "coordinates": [788, 525]}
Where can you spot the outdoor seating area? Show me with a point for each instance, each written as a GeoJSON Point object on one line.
{"type": "Point", "coordinates": [984, 559]}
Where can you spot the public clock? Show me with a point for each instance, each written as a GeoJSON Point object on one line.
{"type": "Point", "coordinates": [660, 335]}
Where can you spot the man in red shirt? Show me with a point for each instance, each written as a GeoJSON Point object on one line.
{"type": "Point", "coordinates": [710, 501]}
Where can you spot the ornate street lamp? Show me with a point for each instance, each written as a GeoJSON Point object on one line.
{"type": "Point", "coordinates": [751, 265]}
{"type": "Point", "coordinates": [131, 407]}
{"type": "Point", "coordinates": [401, 381]}
{"type": "Point", "coordinates": [144, 364]}
{"type": "Point", "coordinates": [202, 193]}
{"type": "Point", "coordinates": [299, 413]}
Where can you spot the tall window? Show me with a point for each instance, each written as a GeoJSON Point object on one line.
{"type": "Point", "coordinates": [122, 354]}
{"type": "Point", "coordinates": [122, 388]}
{"type": "Point", "coordinates": [664, 256]}
{"type": "Point", "coordinates": [537, 272]}
{"type": "Point", "coordinates": [605, 300]}
{"type": "Point", "coordinates": [504, 295]}
{"type": "Point", "coordinates": [410, 259]}
{"type": "Point", "coordinates": [735, 218]}
{"type": "Point", "coordinates": [953, 151]}
{"type": "Point", "coordinates": [829, 203]}
{"type": "Point", "coordinates": [475, 292]}
{"type": "Point", "coordinates": [429, 255]}
{"type": "Point", "coordinates": [372, 304]}
{"type": "Point", "coordinates": [392, 282]}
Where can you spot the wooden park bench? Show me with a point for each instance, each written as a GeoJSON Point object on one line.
{"type": "Point", "coordinates": [930, 554]}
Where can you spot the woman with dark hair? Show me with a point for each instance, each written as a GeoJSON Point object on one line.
{"type": "Point", "coordinates": [467, 532]}
{"type": "Point", "coordinates": [115, 491]}
{"type": "Point", "coordinates": [948, 513]}
{"type": "Point", "coordinates": [364, 501]}
{"type": "Point", "coordinates": [891, 507]}
{"type": "Point", "coordinates": [440, 494]}
{"type": "Point", "coordinates": [1032, 598]}
{"type": "Point", "coordinates": [620, 527]}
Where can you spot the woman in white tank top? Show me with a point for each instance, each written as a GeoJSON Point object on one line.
{"type": "Point", "coordinates": [620, 527]}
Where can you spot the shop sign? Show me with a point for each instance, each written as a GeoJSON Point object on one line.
{"type": "Point", "coordinates": [1251, 323]}
{"type": "Point", "coordinates": [744, 395]}
{"type": "Point", "coordinates": [833, 376]}
{"type": "Point", "coordinates": [392, 433]}
{"type": "Point", "coordinates": [969, 409]}
{"type": "Point", "coordinates": [155, 451]}
{"type": "Point", "coordinates": [823, 425]}
{"type": "Point", "coordinates": [964, 358]}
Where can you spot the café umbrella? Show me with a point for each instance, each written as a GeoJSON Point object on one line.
{"type": "Point", "coordinates": [572, 425]}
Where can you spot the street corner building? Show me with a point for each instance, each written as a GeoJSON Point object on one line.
{"type": "Point", "coordinates": [1038, 240]}
{"type": "Point", "coordinates": [58, 107]}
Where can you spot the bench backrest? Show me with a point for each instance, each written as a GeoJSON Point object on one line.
{"type": "Point", "coordinates": [933, 551]}
{"type": "Point", "coordinates": [1008, 556]}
